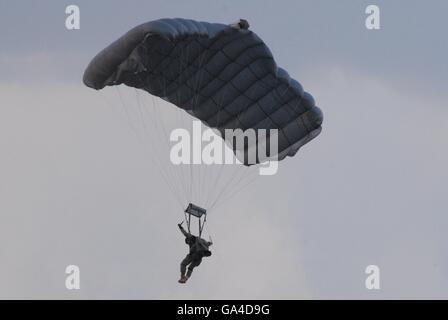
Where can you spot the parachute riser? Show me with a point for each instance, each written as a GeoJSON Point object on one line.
{"type": "Point", "coordinates": [198, 212]}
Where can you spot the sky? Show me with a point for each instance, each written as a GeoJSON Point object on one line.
{"type": "Point", "coordinates": [77, 185]}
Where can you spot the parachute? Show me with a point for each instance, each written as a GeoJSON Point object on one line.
{"type": "Point", "coordinates": [223, 75]}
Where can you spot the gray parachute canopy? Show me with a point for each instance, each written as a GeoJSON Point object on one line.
{"type": "Point", "coordinates": [223, 75]}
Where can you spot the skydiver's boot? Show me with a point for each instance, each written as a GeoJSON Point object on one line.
{"type": "Point", "coordinates": [188, 275]}
{"type": "Point", "coordinates": [183, 278]}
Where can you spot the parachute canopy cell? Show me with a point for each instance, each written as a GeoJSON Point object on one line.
{"type": "Point", "coordinates": [223, 75]}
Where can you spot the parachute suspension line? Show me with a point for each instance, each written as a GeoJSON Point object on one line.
{"type": "Point", "coordinates": [172, 167]}
{"type": "Point", "coordinates": [157, 163]}
{"type": "Point", "coordinates": [206, 168]}
{"type": "Point", "coordinates": [158, 150]}
{"type": "Point", "coordinates": [225, 199]}
{"type": "Point", "coordinates": [109, 103]}
{"type": "Point", "coordinates": [139, 139]}
{"type": "Point", "coordinates": [210, 190]}
{"type": "Point", "coordinates": [156, 143]}
{"type": "Point", "coordinates": [189, 170]}
{"type": "Point", "coordinates": [126, 112]}
{"type": "Point", "coordinates": [182, 113]}
{"type": "Point", "coordinates": [201, 226]}
{"type": "Point", "coordinates": [178, 169]}
{"type": "Point", "coordinates": [236, 174]}
{"type": "Point", "coordinates": [147, 134]}
{"type": "Point", "coordinates": [165, 168]}
{"type": "Point", "coordinates": [186, 219]}
{"type": "Point", "coordinates": [237, 182]}
{"type": "Point", "coordinates": [196, 175]}
{"type": "Point", "coordinates": [189, 185]}
{"type": "Point", "coordinates": [188, 224]}
{"type": "Point", "coordinates": [216, 181]}
{"type": "Point", "coordinates": [140, 111]}
{"type": "Point", "coordinates": [197, 83]}
{"type": "Point", "coordinates": [175, 171]}
{"type": "Point", "coordinates": [214, 186]}
{"type": "Point", "coordinates": [207, 226]}
{"type": "Point", "coordinates": [135, 131]}
{"type": "Point", "coordinates": [227, 184]}
{"type": "Point", "coordinates": [244, 180]}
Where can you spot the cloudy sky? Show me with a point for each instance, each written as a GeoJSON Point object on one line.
{"type": "Point", "coordinates": [77, 185]}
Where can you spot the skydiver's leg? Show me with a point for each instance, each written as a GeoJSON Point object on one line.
{"type": "Point", "coordinates": [183, 265]}
{"type": "Point", "coordinates": [193, 264]}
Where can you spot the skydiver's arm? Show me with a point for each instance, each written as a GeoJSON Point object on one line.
{"type": "Point", "coordinates": [185, 233]}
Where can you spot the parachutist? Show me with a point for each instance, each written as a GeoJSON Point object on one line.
{"type": "Point", "coordinates": [199, 248]}
{"type": "Point", "coordinates": [237, 86]}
